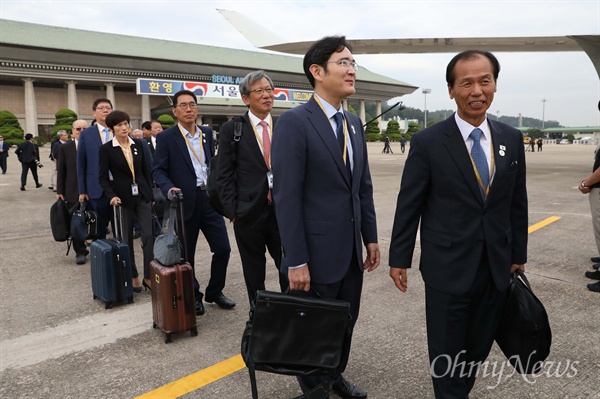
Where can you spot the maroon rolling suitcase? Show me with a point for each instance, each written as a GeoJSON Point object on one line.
{"type": "Point", "coordinates": [173, 302]}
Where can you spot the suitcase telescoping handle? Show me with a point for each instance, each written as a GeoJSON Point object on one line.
{"type": "Point", "coordinates": [176, 200]}
{"type": "Point", "coordinates": [118, 221]}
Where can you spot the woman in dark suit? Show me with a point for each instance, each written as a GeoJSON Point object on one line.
{"type": "Point", "coordinates": [126, 179]}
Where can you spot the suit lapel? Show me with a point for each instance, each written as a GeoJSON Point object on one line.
{"type": "Point", "coordinates": [354, 132]}
{"type": "Point", "coordinates": [183, 149]}
{"type": "Point", "coordinates": [458, 151]}
{"type": "Point", "coordinates": [500, 160]}
{"type": "Point", "coordinates": [250, 139]}
{"type": "Point", "coordinates": [322, 126]}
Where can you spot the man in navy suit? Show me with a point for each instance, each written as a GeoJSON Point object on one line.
{"type": "Point", "coordinates": [323, 191]}
{"type": "Point", "coordinates": [464, 181]}
{"type": "Point", "coordinates": [4, 147]}
{"type": "Point", "coordinates": [181, 162]}
{"type": "Point", "coordinates": [88, 164]}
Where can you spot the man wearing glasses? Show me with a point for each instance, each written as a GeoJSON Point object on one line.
{"type": "Point", "coordinates": [88, 164]}
{"type": "Point", "coordinates": [181, 161]}
{"type": "Point", "coordinates": [244, 183]}
{"type": "Point", "coordinates": [323, 192]}
{"type": "Point", "coordinates": [66, 180]}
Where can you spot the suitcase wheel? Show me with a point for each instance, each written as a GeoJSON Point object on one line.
{"type": "Point", "coordinates": [108, 305]}
{"type": "Point", "coordinates": [168, 338]}
{"type": "Point", "coordinates": [154, 325]}
{"type": "Point", "coordinates": [95, 297]}
{"type": "Point", "coordinates": [130, 300]}
{"type": "Point", "coordinates": [194, 332]}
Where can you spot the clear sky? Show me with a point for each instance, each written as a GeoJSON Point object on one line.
{"type": "Point", "coordinates": [568, 81]}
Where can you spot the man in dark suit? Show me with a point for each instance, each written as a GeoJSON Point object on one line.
{"type": "Point", "coordinates": [181, 162]}
{"type": "Point", "coordinates": [244, 182]}
{"type": "Point", "coordinates": [4, 147]}
{"type": "Point", "coordinates": [88, 164]}
{"type": "Point", "coordinates": [29, 156]}
{"type": "Point", "coordinates": [66, 181]}
{"type": "Point", "coordinates": [464, 181]}
{"type": "Point", "coordinates": [323, 191]}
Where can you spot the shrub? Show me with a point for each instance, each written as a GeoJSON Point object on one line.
{"type": "Point", "coordinates": [373, 127]}
{"type": "Point", "coordinates": [370, 137]}
{"type": "Point", "coordinates": [10, 128]}
{"type": "Point", "coordinates": [64, 121]}
{"type": "Point", "coordinates": [393, 128]}
{"type": "Point", "coordinates": [166, 121]}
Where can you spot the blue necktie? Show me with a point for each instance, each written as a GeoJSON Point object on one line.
{"type": "Point", "coordinates": [480, 160]}
{"type": "Point", "coordinates": [106, 134]}
{"type": "Point", "coordinates": [339, 131]}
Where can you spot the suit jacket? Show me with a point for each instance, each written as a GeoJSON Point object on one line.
{"type": "Point", "coordinates": [88, 162]}
{"type": "Point", "coordinates": [27, 152]}
{"type": "Point", "coordinates": [113, 160]}
{"type": "Point", "coordinates": [439, 189]}
{"type": "Point", "coordinates": [321, 211]}
{"type": "Point", "coordinates": [173, 166]}
{"type": "Point", "coordinates": [242, 186]}
{"type": "Point", "coordinates": [66, 169]}
{"type": "Point", "coordinates": [5, 146]}
{"type": "Point", "coordinates": [150, 146]}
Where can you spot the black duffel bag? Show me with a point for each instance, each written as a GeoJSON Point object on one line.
{"type": "Point", "coordinates": [84, 223]}
{"type": "Point", "coordinates": [297, 335]}
{"type": "Point", "coordinates": [524, 334]}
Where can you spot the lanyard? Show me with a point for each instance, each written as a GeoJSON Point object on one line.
{"type": "Point", "coordinates": [260, 141]}
{"type": "Point", "coordinates": [345, 128]}
{"type": "Point", "coordinates": [493, 163]}
{"type": "Point", "coordinates": [129, 158]}
{"type": "Point", "coordinates": [191, 147]}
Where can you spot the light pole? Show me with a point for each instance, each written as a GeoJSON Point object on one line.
{"type": "Point", "coordinates": [543, 112]}
{"type": "Point", "coordinates": [426, 92]}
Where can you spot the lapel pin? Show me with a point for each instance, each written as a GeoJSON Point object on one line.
{"type": "Point", "coordinates": [502, 153]}
{"type": "Point", "coordinates": [502, 147]}
{"type": "Point", "coordinates": [353, 130]}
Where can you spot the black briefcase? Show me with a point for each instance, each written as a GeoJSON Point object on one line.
{"type": "Point", "coordinates": [297, 335]}
{"type": "Point", "coordinates": [524, 334]}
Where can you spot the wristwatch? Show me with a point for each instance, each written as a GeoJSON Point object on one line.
{"type": "Point", "coordinates": [583, 184]}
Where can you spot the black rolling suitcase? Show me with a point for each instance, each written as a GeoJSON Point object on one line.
{"type": "Point", "coordinates": [111, 267]}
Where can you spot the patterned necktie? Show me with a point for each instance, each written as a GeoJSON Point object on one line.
{"type": "Point", "coordinates": [267, 149]}
{"type": "Point", "coordinates": [106, 134]}
{"type": "Point", "coordinates": [480, 160]}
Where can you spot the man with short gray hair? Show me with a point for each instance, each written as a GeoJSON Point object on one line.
{"type": "Point", "coordinates": [61, 138]}
{"type": "Point", "coordinates": [245, 182]}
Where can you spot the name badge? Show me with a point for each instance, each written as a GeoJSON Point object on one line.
{"type": "Point", "coordinates": [270, 179]}
{"type": "Point", "coordinates": [134, 189]}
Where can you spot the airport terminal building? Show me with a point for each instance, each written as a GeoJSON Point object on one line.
{"type": "Point", "coordinates": [46, 68]}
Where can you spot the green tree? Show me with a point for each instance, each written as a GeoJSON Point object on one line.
{"type": "Point", "coordinates": [166, 121]}
{"type": "Point", "coordinates": [64, 121]}
{"type": "Point", "coordinates": [413, 127]}
{"type": "Point", "coordinates": [393, 127]}
{"type": "Point", "coordinates": [10, 128]}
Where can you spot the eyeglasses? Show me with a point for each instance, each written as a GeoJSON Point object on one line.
{"type": "Point", "coordinates": [103, 108]}
{"type": "Point", "coordinates": [345, 64]}
{"type": "Point", "coordinates": [185, 106]}
{"type": "Point", "coordinates": [79, 129]}
{"type": "Point", "coordinates": [261, 91]}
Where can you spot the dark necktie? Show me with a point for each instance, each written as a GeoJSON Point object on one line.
{"type": "Point", "coordinates": [480, 160]}
{"type": "Point", "coordinates": [267, 150]}
{"type": "Point", "coordinates": [339, 131]}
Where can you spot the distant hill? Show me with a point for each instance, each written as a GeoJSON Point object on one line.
{"type": "Point", "coordinates": [440, 115]}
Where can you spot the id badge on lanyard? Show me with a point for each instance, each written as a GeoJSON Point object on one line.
{"type": "Point", "coordinates": [134, 189]}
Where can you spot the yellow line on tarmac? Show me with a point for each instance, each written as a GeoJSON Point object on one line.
{"type": "Point", "coordinates": [542, 224]}
{"type": "Point", "coordinates": [213, 373]}
{"type": "Point", "coordinates": [197, 380]}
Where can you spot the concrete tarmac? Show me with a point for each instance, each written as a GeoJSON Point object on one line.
{"type": "Point", "coordinates": [57, 342]}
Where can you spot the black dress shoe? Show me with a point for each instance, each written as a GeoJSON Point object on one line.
{"type": "Point", "coordinates": [593, 275]}
{"type": "Point", "coordinates": [221, 300]}
{"type": "Point", "coordinates": [595, 259]}
{"type": "Point", "coordinates": [199, 307]}
{"type": "Point", "coordinates": [347, 390]}
{"type": "Point", "coordinates": [38, 185]}
{"type": "Point", "coordinates": [22, 188]}
{"type": "Point", "coordinates": [596, 266]}
{"type": "Point", "coordinates": [594, 287]}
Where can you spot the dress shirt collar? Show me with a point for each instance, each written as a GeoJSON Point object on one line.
{"type": "Point", "coordinates": [466, 128]}
{"type": "Point", "coordinates": [255, 120]}
{"type": "Point", "coordinates": [188, 134]}
{"type": "Point", "coordinates": [116, 143]}
{"type": "Point", "coordinates": [329, 109]}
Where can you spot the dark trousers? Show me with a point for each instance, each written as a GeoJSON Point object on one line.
{"type": "Point", "coordinates": [25, 167]}
{"type": "Point", "coordinates": [142, 210]}
{"type": "Point", "coordinates": [348, 289]}
{"type": "Point", "coordinates": [253, 235]}
{"type": "Point", "coordinates": [212, 225]}
{"type": "Point", "coordinates": [105, 214]}
{"type": "Point", "coordinates": [3, 162]}
{"type": "Point", "coordinates": [460, 332]}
